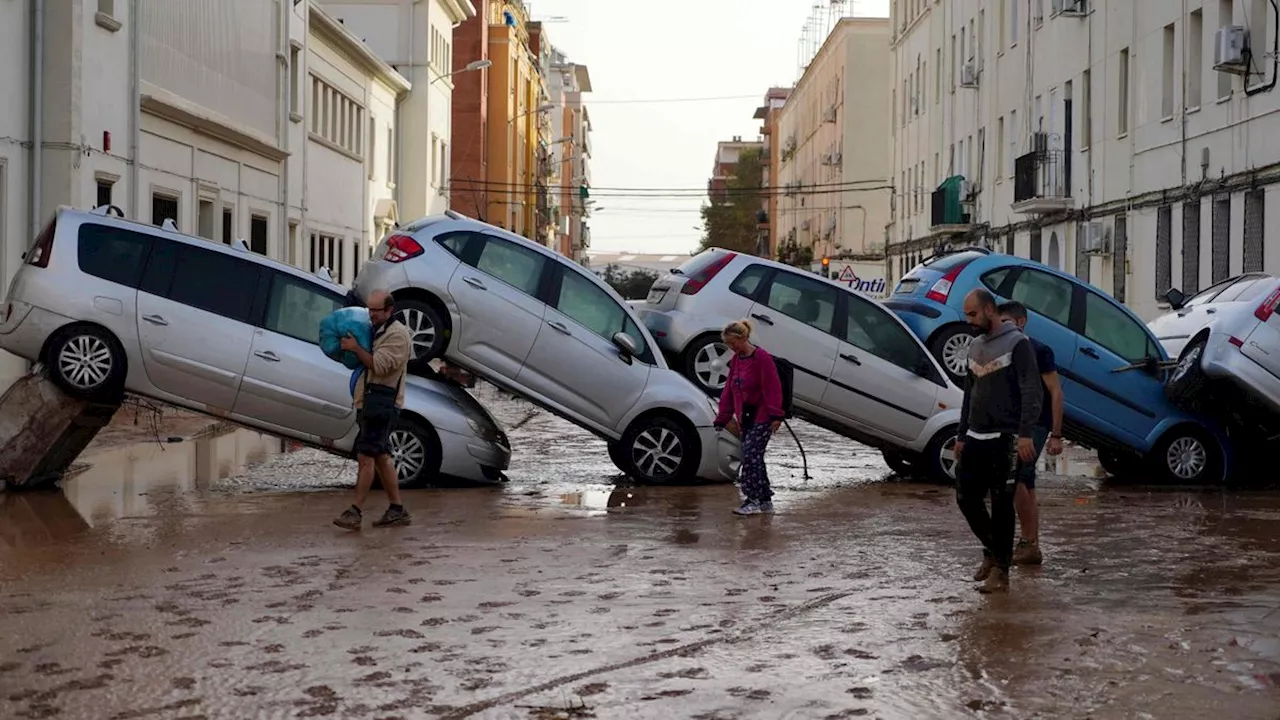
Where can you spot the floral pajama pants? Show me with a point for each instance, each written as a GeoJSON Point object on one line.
{"type": "Point", "coordinates": [753, 478]}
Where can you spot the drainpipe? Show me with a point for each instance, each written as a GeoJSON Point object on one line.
{"type": "Point", "coordinates": [1182, 122]}
{"type": "Point", "coordinates": [282, 128]}
{"type": "Point", "coordinates": [1275, 58]}
{"type": "Point", "coordinates": [304, 96]}
{"type": "Point", "coordinates": [37, 115]}
{"type": "Point", "coordinates": [135, 111]}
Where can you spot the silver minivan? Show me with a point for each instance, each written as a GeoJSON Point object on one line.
{"type": "Point", "coordinates": [112, 306]}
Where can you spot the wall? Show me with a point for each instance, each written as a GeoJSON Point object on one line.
{"type": "Point", "coordinates": [15, 197]}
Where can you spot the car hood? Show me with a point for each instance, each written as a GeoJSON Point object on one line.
{"type": "Point", "coordinates": [447, 390]}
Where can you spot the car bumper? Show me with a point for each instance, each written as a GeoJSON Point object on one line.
{"type": "Point", "coordinates": [472, 458]}
{"type": "Point", "coordinates": [1224, 361]}
{"type": "Point", "coordinates": [27, 329]}
{"type": "Point", "coordinates": [378, 275]}
{"type": "Point", "coordinates": [672, 329]}
{"type": "Point", "coordinates": [721, 455]}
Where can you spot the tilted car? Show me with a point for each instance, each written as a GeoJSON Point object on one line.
{"type": "Point", "coordinates": [541, 326]}
{"type": "Point", "coordinates": [1111, 365]}
{"type": "Point", "coordinates": [859, 370]}
{"type": "Point", "coordinates": [113, 306]}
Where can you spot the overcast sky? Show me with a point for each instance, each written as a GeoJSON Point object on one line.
{"type": "Point", "coordinates": [672, 50]}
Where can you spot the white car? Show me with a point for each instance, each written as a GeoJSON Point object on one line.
{"type": "Point", "coordinates": [114, 306]}
{"type": "Point", "coordinates": [543, 327]}
{"type": "Point", "coordinates": [1229, 332]}
{"type": "Point", "coordinates": [859, 371]}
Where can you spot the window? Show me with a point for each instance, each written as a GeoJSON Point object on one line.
{"type": "Point", "coordinates": [163, 207]}
{"type": "Point", "coordinates": [807, 300]}
{"type": "Point", "coordinates": [1224, 18]}
{"type": "Point", "coordinates": [113, 254]}
{"type": "Point", "coordinates": [1164, 250]}
{"type": "Point", "coordinates": [954, 68]}
{"type": "Point", "coordinates": [1166, 78]}
{"type": "Point", "coordinates": [1122, 101]}
{"type": "Point", "coordinates": [1194, 39]}
{"type": "Point", "coordinates": [455, 242]}
{"type": "Point", "coordinates": [391, 156]}
{"type": "Point", "coordinates": [295, 80]}
{"type": "Point", "coordinates": [995, 278]}
{"type": "Point", "coordinates": [204, 220]}
{"type": "Point", "coordinates": [228, 223]}
{"type": "Point", "coordinates": [104, 193]}
{"type": "Point", "coordinates": [1113, 329]}
{"type": "Point", "coordinates": [1254, 224]}
{"type": "Point", "coordinates": [1013, 143]}
{"type": "Point", "coordinates": [870, 328]}
{"type": "Point", "coordinates": [937, 76]}
{"type": "Point", "coordinates": [1259, 27]}
{"type": "Point", "coordinates": [591, 307]}
{"type": "Point", "coordinates": [1000, 164]}
{"type": "Point", "coordinates": [1245, 289]}
{"type": "Point", "coordinates": [207, 280]}
{"type": "Point", "coordinates": [372, 155]}
{"type": "Point", "coordinates": [1191, 246]}
{"type": "Point", "coordinates": [1220, 254]}
{"type": "Point", "coordinates": [258, 234]}
{"type": "Point", "coordinates": [1086, 110]}
{"type": "Point", "coordinates": [517, 266]}
{"type": "Point", "coordinates": [1013, 21]}
{"type": "Point", "coordinates": [1048, 295]}
{"type": "Point", "coordinates": [296, 307]}
{"type": "Point", "coordinates": [748, 281]}
{"type": "Point", "coordinates": [322, 251]}
{"type": "Point", "coordinates": [1209, 294]}
{"type": "Point", "coordinates": [336, 118]}
{"type": "Point", "coordinates": [107, 7]}
{"type": "Point", "coordinates": [1004, 23]}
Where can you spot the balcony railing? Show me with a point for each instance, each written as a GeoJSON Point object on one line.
{"type": "Point", "coordinates": [946, 205]}
{"type": "Point", "coordinates": [1039, 183]}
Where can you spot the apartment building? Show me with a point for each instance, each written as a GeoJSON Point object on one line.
{"type": "Point", "coordinates": [771, 152]}
{"type": "Point", "coordinates": [569, 153]}
{"type": "Point", "coordinates": [1126, 143]}
{"type": "Point", "coordinates": [834, 172]}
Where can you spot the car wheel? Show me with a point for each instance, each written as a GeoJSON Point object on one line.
{"type": "Point", "coordinates": [706, 363]}
{"type": "Point", "coordinates": [658, 449]}
{"type": "Point", "coordinates": [1117, 464]}
{"type": "Point", "coordinates": [1188, 455]}
{"type": "Point", "coordinates": [415, 451]}
{"type": "Point", "coordinates": [951, 347]}
{"type": "Point", "coordinates": [618, 457]}
{"type": "Point", "coordinates": [426, 326]}
{"type": "Point", "coordinates": [87, 362]}
{"type": "Point", "coordinates": [940, 456]}
{"type": "Point", "coordinates": [899, 462]}
{"type": "Point", "coordinates": [1187, 382]}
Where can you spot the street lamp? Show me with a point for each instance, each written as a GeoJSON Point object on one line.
{"type": "Point", "coordinates": [471, 67]}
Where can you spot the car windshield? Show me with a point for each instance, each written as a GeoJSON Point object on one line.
{"type": "Point", "coordinates": [944, 263]}
{"type": "Point", "coordinates": [697, 263]}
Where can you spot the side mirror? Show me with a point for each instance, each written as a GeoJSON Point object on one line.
{"type": "Point", "coordinates": [1151, 366]}
{"type": "Point", "coordinates": [1175, 298]}
{"type": "Point", "coordinates": [625, 344]}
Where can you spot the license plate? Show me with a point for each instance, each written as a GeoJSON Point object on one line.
{"type": "Point", "coordinates": [656, 295]}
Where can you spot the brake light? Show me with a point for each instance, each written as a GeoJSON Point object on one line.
{"type": "Point", "coordinates": [941, 289]}
{"type": "Point", "coordinates": [39, 253]}
{"type": "Point", "coordinates": [700, 280]}
{"type": "Point", "coordinates": [1268, 306]}
{"type": "Point", "coordinates": [401, 248]}
{"type": "Point", "coordinates": [1236, 341]}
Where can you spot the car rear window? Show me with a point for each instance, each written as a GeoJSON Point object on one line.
{"type": "Point", "coordinates": [699, 262]}
{"type": "Point", "coordinates": [944, 263]}
{"type": "Point", "coordinates": [113, 254]}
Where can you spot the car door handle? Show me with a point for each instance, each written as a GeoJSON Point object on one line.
{"type": "Point", "coordinates": [1210, 311]}
{"type": "Point", "coordinates": [1090, 352]}
{"type": "Point", "coordinates": [268, 356]}
{"type": "Point", "coordinates": [474, 282]}
{"type": "Point", "coordinates": [763, 318]}
{"type": "Point", "coordinates": [559, 326]}
{"type": "Point", "coordinates": [851, 358]}
{"type": "Point", "coordinates": [155, 319]}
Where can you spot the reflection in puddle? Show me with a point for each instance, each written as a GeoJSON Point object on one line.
{"type": "Point", "coordinates": [595, 502]}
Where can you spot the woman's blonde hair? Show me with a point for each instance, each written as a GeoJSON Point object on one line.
{"type": "Point", "coordinates": [737, 328]}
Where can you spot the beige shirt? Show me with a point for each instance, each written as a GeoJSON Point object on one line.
{"type": "Point", "coordinates": [392, 351]}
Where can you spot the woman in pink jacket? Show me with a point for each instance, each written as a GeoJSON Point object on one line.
{"type": "Point", "coordinates": [751, 407]}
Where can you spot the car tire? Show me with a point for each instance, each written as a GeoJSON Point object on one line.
{"type": "Point", "coordinates": [1117, 464]}
{"type": "Point", "coordinates": [618, 457]}
{"type": "Point", "coordinates": [900, 463]}
{"type": "Point", "coordinates": [427, 327]}
{"type": "Point", "coordinates": [1187, 383]}
{"type": "Point", "coordinates": [706, 363]}
{"type": "Point", "coordinates": [939, 459]}
{"type": "Point", "coordinates": [950, 346]}
{"type": "Point", "coordinates": [87, 362]}
{"type": "Point", "coordinates": [659, 450]}
{"type": "Point", "coordinates": [1187, 455]}
{"type": "Point", "coordinates": [415, 451]}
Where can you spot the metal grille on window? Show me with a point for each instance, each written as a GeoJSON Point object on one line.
{"type": "Point", "coordinates": [1082, 254]}
{"type": "Point", "coordinates": [1120, 259]}
{"type": "Point", "coordinates": [1221, 256]}
{"type": "Point", "coordinates": [1254, 209]}
{"type": "Point", "coordinates": [1011, 243]}
{"type": "Point", "coordinates": [1164, 250]}
{"type": "Point", "coordinates": [1035, 245]}
{"type": "Point", "coordinates": [1191, 247]}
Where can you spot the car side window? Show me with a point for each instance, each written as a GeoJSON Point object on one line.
{"type": "Point", "coordinates": [455, 242]}
{"type": "Point", "coordinates": [296, 307]}
{"type": "Point", "coordinates": [870, 328]}
{"type": "Point", "coordinates": [1245, 290]}
{"type": "Point", "coordinates": [995, 278]}
{"type": "Point", "coordinates": [747, 284]}
{"type": "Point", "coordinates": [808, 300]}
{"type": "Point", "coordinates": [1113, 329]}
{"type": "Point", "coordinates": [590, 306]}
{"type": "Point", "coordinates": [113, 254]}
{"type": "Point", "coordinates": [205, 279]}
{"type": "Point", "coordinates": [517, 266]}
{"type": "Point", "coordinates": [1047, 295]}
{"type": "Point", "coordinates": [1209, 294]}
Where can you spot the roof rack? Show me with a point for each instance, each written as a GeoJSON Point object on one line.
{"type": "Point", "coordinates": [105, 210]}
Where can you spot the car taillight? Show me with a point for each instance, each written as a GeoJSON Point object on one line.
{"type": "Point", "coordinates": [941, 289]}
{"type": "Point", "coordinates": [39, 254]}
{"type": "Point", "coordinates": [1268, 306]}
{"type": "Point", "coordinates": [401, 248]}
{"type": "Point", "coordinates": [700, 280]}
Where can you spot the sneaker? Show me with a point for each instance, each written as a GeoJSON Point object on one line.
{"type": "Point", "coordinates": [350, 519]}
{"type": "Point", "coordinates": [393, 517]}
{"type": "Point", "coordinates": [766, 507]}
{"type": "Point", "coordinates": [1027, 553]}
{"type": "Point", "coordinates": [997, 582]}
{"type": "Point", "coordinates": [984, 569]}
{"type": "Point", "coordinates": [748, 507]}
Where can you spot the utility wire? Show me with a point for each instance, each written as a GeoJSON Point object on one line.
{"type": "Point", "coordinates": [531, 186]}
{"type": "Point", "coordinates": [655, 101]}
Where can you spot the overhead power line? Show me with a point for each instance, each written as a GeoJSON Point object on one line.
{"type": "Point", "coordinates": [655, 101]}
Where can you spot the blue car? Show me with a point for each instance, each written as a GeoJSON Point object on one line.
{"type": "Point", "coordinates": [1110, 364]}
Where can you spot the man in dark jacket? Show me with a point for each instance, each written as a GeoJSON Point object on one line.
{"type": "Point", "coordinates": [1001, 407]}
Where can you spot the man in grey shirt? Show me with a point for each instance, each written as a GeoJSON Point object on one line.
{"type": "Point", "coordinates": [1001, 407]}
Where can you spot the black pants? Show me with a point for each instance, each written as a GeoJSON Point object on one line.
{"type": "Point", "coordinates": [987, 467]}
{"type": "Point", "coordinates": [376, 419]}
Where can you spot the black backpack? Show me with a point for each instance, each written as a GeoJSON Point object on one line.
{"type": "Point", "coordinates": [786, 376]}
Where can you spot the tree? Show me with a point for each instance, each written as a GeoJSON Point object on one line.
{"type": "Point", "coordinates": [730, 221]}
{"type": "Point", "coordinates": [633, 285]}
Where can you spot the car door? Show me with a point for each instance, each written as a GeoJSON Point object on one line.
{"type": "Point", "coordinates": [1124, 403]}
{"type": "Point", "coordinates": [882, 377]}
{"type": "Point", "coordinates": [195, 306]}
{"type": "Point", "coordinates": [1049, 299]}
{"type": "Point", "coordinates": [288, 382]}
{"type": "Point", "coordinates": [575, 363]}
{"type": "Point", "coordinates": [496, 293]}
{"type": "Point", "coordinates": [795, 319]}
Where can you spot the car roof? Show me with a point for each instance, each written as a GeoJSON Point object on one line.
{"type": "Point", "coordinates": [783, 266]}
{"type": "Point", "coordinates": [998, 260]}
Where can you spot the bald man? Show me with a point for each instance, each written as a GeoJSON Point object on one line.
{"type": "Point", "coordinates": [379, 395]}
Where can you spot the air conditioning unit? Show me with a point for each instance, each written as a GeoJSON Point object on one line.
{"type": "Point", "coordinates": [1231, 50]}
{"type": "Point", "coordinates": [1071, 8]}
{"type": "Point", "coordinates": [968, 75]}
{"type": "Point", "coordinates": [831, 159]}
{"type": "Point", "coordinates": [829, 115]}
{"type": "Point", "coordinates": [806, 225]}
{"type": "Point", "coordinates": [1040, 143]}
{"type": "Point", "coordinates": [915, 106]}
{"type": "Point", "coordinates": [1095, 239]}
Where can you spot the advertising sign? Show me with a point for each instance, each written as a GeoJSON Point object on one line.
{"type": "Point", "coordinates": [864, 277]}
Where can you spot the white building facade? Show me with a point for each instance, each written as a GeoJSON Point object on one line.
{"type": "Point", "coordinates": [1107, 138]}
{"type": "Point", "coordinates": [570, 154]}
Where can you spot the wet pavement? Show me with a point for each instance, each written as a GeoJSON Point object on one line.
{"type": "Point", "coordinates": [167, 582]}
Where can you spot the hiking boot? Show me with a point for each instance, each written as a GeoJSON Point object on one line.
{"type": "Point", "coordinates": [997, 582]}
{"type": "Point", "coordinates": [748, 507]}
{"type": "Point", "coordinates": [394, 516]}
{"type": "Point", "coordinates": [1027, 553]}
{"type": "Point", "coordinates": [984, 569]}
{"type": "Point", "coordinates": [350, 519]}
{"type": "Point", "coordinates": [766, 507]}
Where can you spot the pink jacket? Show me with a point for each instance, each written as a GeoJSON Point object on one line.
{"type": "Point", "coordinates": [753, 380]}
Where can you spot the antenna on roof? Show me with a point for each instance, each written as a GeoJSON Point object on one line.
{"type": "Point", "coordinates": [240, 244]}
{"type": "Point", "coordinates": [106, 210]}
{"type": "Point", "coordinates": [169, 225]}
{"type": "Point", "coordinates": [323, 274]}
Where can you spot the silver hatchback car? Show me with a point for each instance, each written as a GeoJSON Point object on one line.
{"type": "Point", "coordinates": [114, 306]}
{"type": "Point", "coordinates": [543, 327]}
{"type": "Point", "coordinates": [860, 372]}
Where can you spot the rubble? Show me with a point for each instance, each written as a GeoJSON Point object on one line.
{"type": "Point", "coordinates": [43, 430]}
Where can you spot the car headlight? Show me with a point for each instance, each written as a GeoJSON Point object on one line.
{"type": "Point", "coordinates": [485, 431]}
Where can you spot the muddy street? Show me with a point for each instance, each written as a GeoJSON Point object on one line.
{"type": "Point", "coordinates": [203, 579]}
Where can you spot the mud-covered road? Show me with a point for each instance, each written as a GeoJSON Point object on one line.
{"type": "Point", "coordinates": [155, 588]}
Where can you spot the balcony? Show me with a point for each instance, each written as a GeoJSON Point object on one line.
{"type": "Point", "coordinates": [947, 214]}
{"type": "Point", "coordinates": [1039, 183]}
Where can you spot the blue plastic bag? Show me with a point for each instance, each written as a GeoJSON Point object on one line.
{"type": "Point", "coordinates": [355, 376]}
{"type": "Point", "coordinates": [340, 323]}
